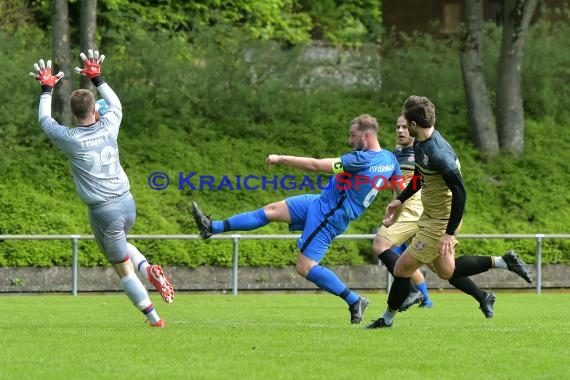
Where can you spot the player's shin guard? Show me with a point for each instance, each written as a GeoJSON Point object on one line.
{"type": "Point", "coordinates": [246, 221]}
{"type": "Point", "coordinates": [398, 292]}
{"type": "Point", "coordinates": [138, 295]}
{"type": "Point", "coordinates": [389, 258]}
{"type": "Point", "coordinates": [139, 261]}
{"type": "Point", "coordinates": [466, 285]}
{"type": "Point", "coordinates": [466, 266]}
{"type": "Point", "coordinates": [327, 280]}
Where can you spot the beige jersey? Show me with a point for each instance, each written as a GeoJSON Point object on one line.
{"type": "Point", "coordinates": [412, 208]}
{"type": "Point", "coordinates": [434, 157]}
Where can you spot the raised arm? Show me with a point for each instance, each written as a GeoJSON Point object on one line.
{"type": "Point", "coordinates": [92, 69]}
{"type": "Point", "coordinates": [48, 82]}
{"type": "Point", "coordinates": [49, 125]}
{"type": "Point", "coordinates": [92, 63]}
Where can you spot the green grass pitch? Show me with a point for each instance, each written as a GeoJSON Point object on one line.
{"type": "Point", "coordinates": [282, 336]}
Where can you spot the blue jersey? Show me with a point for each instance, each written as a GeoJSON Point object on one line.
{"type": "Point", "coordinates": [359, 177]}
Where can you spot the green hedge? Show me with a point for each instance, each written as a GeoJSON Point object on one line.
{"type": "Point", "coordinates": [202, 108]}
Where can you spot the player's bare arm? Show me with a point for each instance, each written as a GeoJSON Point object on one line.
{"type": "Point", "coordinates": [305, 163]}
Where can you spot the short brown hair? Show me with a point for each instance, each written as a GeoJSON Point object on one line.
{"type": "Point", "coordinates": [82, 103]}
{"type": "Point", "coordinates": [366, 123]}
{"type": "Point", "coordinates": [419, 109]}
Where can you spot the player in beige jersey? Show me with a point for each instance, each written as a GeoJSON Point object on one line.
{"type": "Point", "coordinates": [443, 198]}
{"type": "Point", "coordinates": [396, 237]}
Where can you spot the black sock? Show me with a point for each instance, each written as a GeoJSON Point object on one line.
{"type": "Point", "coordinates": [389, 258]}
{"type": "Point", "coordinates": [398, 292]}
{"type": "Point", "coordinates": [466, 285]}
{"type": "Point", "coordinates": [470, 265]}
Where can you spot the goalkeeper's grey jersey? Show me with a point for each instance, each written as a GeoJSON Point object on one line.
{"type": "Point", "coordinates": [93, 153]}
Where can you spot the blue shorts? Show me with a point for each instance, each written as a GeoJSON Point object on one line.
{"type": "Point", "coordinates": [318, 232]}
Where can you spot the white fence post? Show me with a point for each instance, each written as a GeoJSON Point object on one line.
{"type": "Point", "coordinates": [74, 239]}
{"type": "Point", "coordinates": [538, 277]}
{"type": "Point", "coordinates": [235, 244]}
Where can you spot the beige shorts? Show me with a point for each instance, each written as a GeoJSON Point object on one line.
{"type": "Point", "coordinates": [400, 232]}
{"type": "Point", "coordinates": [425, 244]}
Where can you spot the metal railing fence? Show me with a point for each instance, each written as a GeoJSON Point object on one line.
{"type": "Point", "coordinates": [235, 238]}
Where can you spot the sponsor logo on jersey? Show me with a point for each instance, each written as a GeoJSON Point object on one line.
{"type": "Point", "coordinates": [381, 168]}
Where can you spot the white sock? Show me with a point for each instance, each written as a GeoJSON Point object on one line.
{"type": "Point", "coordinates": [151, 314]}
{"type": "Point", "coordinates": [388, 316]}
{"type": "Point", "coordinates": [139, 261]}
{"type": "Point", "coordinates": [499, 262]}
{"type": "Point", "coordinates": [138, 295]}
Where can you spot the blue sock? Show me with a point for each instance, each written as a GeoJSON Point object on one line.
{"type": "Point", "coordinates": [399, 249]}
{"type": "Point", "coordinates": [245, 221]}
{"type": "Point", "coordinates": [326, 279]}
{"type": "Point", "coordinates": [423, 288]}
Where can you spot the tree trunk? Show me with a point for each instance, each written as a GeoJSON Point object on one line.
{"type": "Point", "coordinates": [481, 118]}
{"type": "Point", "coordinates": [510, 112]}
{"type": "Point", "coordinates": [62, 60]}
{"type": "Point", "coordinates": [88, 30]}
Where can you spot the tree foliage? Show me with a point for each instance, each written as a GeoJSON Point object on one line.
{"type": "Point", "coordinates": [294, 22]}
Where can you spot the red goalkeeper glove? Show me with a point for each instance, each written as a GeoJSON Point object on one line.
{"type": "Point", "coordinates": [91, 66]}
{"type": "Point", "coordinates": [44, 76]}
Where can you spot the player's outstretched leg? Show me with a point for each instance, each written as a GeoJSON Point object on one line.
{"type": "Point", "coordinates": [469, 265]}
{"type": "Point", "coordinates": [245, 221]}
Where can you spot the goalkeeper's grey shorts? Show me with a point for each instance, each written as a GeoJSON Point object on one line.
{"type": "Point", "coordinates": [110, 223]}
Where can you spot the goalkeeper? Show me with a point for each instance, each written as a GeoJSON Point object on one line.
{"type": "Point", "coordinates": [99, 178]}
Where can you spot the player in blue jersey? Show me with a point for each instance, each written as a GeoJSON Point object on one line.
{"type": "Point", "coordinates": [359, 176]}
{"type": "Point", "coordinates": [100, 179]}
{"type": "Point", "coordinates": [443, 198]}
